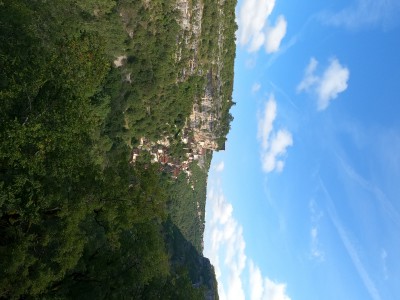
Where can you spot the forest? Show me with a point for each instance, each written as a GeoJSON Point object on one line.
{"type": "Point", "coordinates": [77, 220]}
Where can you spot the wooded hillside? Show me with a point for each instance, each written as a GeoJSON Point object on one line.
{"type": "Point", "coordinates": [82, 83]}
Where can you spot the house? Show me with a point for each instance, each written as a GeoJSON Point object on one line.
{"type": "Point", "coordinates": [163, 159]}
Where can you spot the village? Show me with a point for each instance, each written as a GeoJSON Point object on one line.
{"type": "Point", "coordinates": [197, 138]}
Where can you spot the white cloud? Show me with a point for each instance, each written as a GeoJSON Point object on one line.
{"type": "Point", "coordinates": [279, 143]}
{"type": "Point", "coordinates": [220, 167]}
{"type": "Point", "coordinates": [365, 13]}
{"type": "Point", "coordinates": [333, 81]}
{"type": "Point", "coordinates": [256, 282]}
{"type": "Point", "coordinates": [274, 35]}
{"type": "Point", "coordinates": [256, 87]}
{"type": "Point", "coordinates": [329, 85]}
{"type": "Point", "coordinates": [254, 30]}
{"type": "Point", "coordinates": [273, 144]}
{"type": "Point", "coordinates": [265, 124]}
{"type": "Point", "coordinates": [222, 210]}
{"type": "Point", "coordinates": [264, 288]}
{"type": "Point", "coordinates": [275, 291]}
{"type": "Point", "coordinates": [252, 18]}
{"type": "Point", "coordinates": [225, 246]}
{"type": "Point", "coordinates": [226, 241]}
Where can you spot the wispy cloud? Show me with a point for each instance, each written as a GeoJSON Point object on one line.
{"type": "Point", "coordinates": [282, 50]}
{"type": "Point", "coordinates": [315, 248]}
{"type": "Point", "coordinates": [327, 86]}
{"type": "Point", "coordinates": [309, 79]}
{"type": "Point", "coordinates": [254, 28]}
{"type": "Point", "coordinates": [220, 166]}
{"type": "Point", "coordinates": [351, 250]}
{"type": "Point", "coordinates": [391, 211]}
{"type": "Point", "coordinates": [225, 246]}
{"type": "Point", "coordinates": [363, 14]}
{"type": "Point", "coordinates": [349, 246]}
{"type": "Point", "coordinates": [316, 252]}
{"type": "Point", "coordinates": [256, 87]}
{"type": "Point", "coordinates": [384, 256]}
{"type": "Point", "coordinates": [288, 44]}
{"type": "Point", "coordinates": [273, 144]}
{"type": "Point", "coordinates": [282, 93]}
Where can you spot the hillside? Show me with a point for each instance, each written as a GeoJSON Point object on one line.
{"type": "Point", "coordinates": [110, 113]}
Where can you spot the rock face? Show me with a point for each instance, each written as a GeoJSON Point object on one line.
{"type": "Point", "coordinates": [206, 117]}
{"type": "Point", "coordinates": [190, 21]}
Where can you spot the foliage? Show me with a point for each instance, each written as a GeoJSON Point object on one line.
{"type": "Point", "coordinates": [186, 205]}
{"type": "Point", "coordinates": [76, 220]}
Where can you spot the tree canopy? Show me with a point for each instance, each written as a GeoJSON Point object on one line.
{"type": "Point", "coordinates": [77, 221]}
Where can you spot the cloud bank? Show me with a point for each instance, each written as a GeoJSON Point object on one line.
{"type": "Point", "coordinates": [225, 246]}
{"type": "Point", "coordinates": [327, 86]}
{"type": "Point", "coordinates": [254, 28]}
{"type": "Point", "coordinates": [273, 144]}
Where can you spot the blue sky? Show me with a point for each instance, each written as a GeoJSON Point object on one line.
{"type": "Point", "coordinates": [304, 203]}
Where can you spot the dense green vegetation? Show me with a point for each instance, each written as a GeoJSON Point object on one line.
{"type": "Point", "coordinates": [77, 221]}
{"type": "Point", "coordinates": [184, 203]}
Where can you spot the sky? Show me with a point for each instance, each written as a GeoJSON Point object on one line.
{"type": "Point", "coordinates": [304, 203]}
